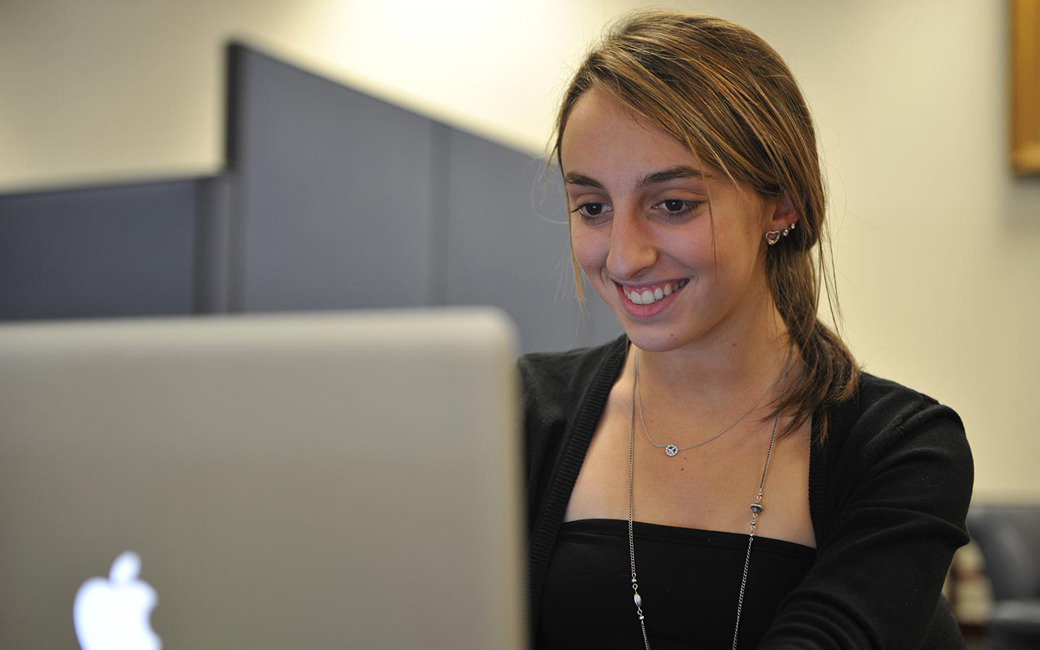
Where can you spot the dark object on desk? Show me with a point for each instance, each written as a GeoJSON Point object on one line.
{"type": "Point", "coordinates": [1009, 538]}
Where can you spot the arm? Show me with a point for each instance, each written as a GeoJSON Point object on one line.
{"type": "Point", "coordinates": [889, 514]}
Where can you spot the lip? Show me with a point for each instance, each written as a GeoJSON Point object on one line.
{"type": "Point", "coordinates": [646, 311]}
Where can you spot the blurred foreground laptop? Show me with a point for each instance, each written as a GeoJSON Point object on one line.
{"type": "Point", "coordinates": [319, 481]}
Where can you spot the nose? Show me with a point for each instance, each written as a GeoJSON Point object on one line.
{"type": "Point", "coordinates": [632, 247]}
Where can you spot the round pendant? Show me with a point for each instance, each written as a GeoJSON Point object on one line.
{"type": "Point", "coordinates": [671, 450]}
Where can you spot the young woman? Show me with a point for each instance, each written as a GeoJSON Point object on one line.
{"type": "Point", "coordinates": [722, 475]}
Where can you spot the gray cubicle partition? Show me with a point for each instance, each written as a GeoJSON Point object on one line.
{"type": "Point", "coordinates": [507, 245]}
{"type": "Point", "coordinates": [345, 201]}
{"type": "Point", "coordinates": [331, 199]}
{"type": "Point", "coordinates": [332, 195]}
{"type": "Point", "coordinates": [100, 252]}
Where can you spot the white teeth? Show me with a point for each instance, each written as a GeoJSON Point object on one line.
{"type": "Point", "coordinates": [649, 297]}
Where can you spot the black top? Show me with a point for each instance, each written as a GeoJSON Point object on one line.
{"type": "Point", "coordinates": [689, 580]}
{"type": "Point", "coordinates": [888, 494]}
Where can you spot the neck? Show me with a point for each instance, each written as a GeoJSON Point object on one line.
{"type": "Point", "coordinates": [714, 376]}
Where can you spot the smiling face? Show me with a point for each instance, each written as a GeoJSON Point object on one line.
{"type": "Point", "coordinates": [642, 230]}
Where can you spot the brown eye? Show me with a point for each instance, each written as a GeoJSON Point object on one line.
{"type": "Point", "coordinates": [675, 208]}
{"type": "Point", "coordinates": [592, 209]}
{"type": "Point", "coordinates": [593, 213]}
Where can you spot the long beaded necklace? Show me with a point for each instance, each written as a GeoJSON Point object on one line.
{"type": "Point", "coordinates": [756, 506]}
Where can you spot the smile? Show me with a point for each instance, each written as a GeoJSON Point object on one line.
{"type": "Point", "coordinates": [650, 294]}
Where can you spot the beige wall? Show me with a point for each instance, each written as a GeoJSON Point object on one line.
{"type": "Point", "coordinates": [937, 245]}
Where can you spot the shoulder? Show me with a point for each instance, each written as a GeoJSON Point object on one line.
{"type": "Point", "coordinates": [883, 412]}
{"type": "Point", "coordinates": [890, 441]}
{"type": "Point", "coordinates": [551, 380]}
{"type": "Point", "coordinates": [559, 390]}
{"type": "Point", "coordinates": [563, 368]}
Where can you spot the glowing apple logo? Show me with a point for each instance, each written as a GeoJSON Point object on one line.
{"type": "Point", "coordinates": [113, 614]}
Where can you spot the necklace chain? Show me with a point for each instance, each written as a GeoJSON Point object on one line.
{"type": "Point", "coordinates": [756, 506]}
{"type": "Point", "coordinates": [672, 450]}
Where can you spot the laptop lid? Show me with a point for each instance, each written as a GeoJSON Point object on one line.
{"type": "Point", "coordinates": [343, 480]}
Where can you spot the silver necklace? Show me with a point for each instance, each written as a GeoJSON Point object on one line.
{"type": "Point", "coordinates": [672, 450]}
{"type": "Point", "coordinates": [756, 506]}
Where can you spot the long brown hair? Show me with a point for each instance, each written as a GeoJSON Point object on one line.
{"type": "Point", "coordinates": [722, 91]}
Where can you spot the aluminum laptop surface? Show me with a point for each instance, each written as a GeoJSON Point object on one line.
{"type": "Point", "coordinates": [319, 481]}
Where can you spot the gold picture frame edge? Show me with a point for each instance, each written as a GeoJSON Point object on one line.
{"type": "Point", "coordinates": [1025, 86]}
{"type": "Point", "coordinates": [1027, 160]}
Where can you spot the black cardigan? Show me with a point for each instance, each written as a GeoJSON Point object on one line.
{"type": "Point", "coordinates": [888, 494]}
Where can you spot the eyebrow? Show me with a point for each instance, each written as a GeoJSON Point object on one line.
{"type": "Point", "coordinates": [663, 176]}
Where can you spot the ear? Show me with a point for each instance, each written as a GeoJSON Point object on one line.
{"type": "Point", "coordinates": [781, 213]}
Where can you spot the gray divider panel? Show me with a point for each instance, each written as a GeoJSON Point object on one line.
{"type": "Point", "coordinates": [508, 244]}
{"type": "Point", "coordinates": [102, 252]}
{"type": "Point", "coordinates": [341, 200]}
{"type": "Point", "coordinates": [332, 193]}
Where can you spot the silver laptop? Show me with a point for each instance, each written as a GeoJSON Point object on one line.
{"type": "Point", "coordinates": [290, 482]}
